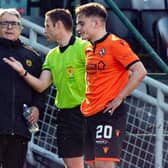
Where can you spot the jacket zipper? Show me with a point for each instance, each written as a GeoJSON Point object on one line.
{"type": "Point", "coordinates": [13, 103]}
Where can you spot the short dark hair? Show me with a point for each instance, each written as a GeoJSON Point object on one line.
{"type": "Point", "coordinates": [63, 15]}
{"type": "Point", "coordinates": [92, 9]}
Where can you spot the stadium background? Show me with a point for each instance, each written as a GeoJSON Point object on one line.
{"type": "Point", "coordinates": [146, 143]}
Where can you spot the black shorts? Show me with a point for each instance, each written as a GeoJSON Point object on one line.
{"type": "Point", "coordinates": [105, 134]}
{"type": "Point", "coordinates": [70, 133]}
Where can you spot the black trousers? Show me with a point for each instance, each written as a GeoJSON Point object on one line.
{"type": "Point", "coordinates": [13, 150]}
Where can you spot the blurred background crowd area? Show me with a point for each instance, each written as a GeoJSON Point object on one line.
{"type": "Point", "coordinates": [149, 17]}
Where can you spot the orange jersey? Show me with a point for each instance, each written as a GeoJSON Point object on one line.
{"type": "Point", "coordinates": [107, 72]}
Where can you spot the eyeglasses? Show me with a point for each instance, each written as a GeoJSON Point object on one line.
{"type": "Point", "coordinates": [10, 23]}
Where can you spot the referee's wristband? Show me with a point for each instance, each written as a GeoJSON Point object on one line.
{"type": "Point", "coordinates": [25, 74]}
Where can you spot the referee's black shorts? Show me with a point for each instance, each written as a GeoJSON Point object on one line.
{"type": "Point", "coordinates": [105, 134]}
{"type": "Point", "coordinates": [70, 132]}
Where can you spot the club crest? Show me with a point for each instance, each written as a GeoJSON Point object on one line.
{"type": "Point", "coordinates": [29, 62]}
{"type": "Point", "coordinates": [102, 52]}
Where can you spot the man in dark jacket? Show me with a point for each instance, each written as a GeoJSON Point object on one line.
{"type": "Point", "coordinates": [14, 92]}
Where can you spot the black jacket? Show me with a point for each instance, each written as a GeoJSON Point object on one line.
{"type": "Point", "coordinates": [14, 91]}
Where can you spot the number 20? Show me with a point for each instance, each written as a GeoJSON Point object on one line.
{"type": "Point", "coordinates": [104, 131]}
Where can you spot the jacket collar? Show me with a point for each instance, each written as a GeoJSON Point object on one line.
{"type": "Point", "coordinates": [10, 43]}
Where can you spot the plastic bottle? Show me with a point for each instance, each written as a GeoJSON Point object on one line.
{"type": "Point", "coordinates": [33, 128]}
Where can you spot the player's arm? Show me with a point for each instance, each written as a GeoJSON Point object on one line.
{"type": "Point", "coordinates": [39, 84]}
{"type": "Point", "coordinates": [137, 73]}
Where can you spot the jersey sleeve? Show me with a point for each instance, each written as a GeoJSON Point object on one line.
{"type": "Point", "coordinates": [46, 64]}
{"type": "Point", "coordinates": [124, 54]}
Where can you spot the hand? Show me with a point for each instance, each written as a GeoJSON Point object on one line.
{"type": "Point", "coordinates": [34, 116]}
{"type": "Point", "coordinates": [16, 65]}
{"type": "Point", "coordinates": [112, 105]}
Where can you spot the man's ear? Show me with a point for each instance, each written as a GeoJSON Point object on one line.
{"type": "Point", "coordinates": [59, 24]}
{"type": "Point", "coordinates": [95, 22]}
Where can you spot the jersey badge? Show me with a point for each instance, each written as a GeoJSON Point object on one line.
{"type": "Point", "coordinates": [102, 52]}
{"type": "Point", "coordinates": [70, 71]}
{"type": "Point", "coordinates": [29, 62]}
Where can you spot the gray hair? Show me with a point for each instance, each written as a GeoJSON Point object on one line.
{"type": "Point", "coordinates": [11, 11]}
